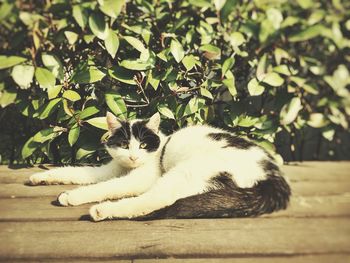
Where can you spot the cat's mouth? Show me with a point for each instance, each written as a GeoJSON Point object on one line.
{"type": "Point", "coordinates": [132, 164]}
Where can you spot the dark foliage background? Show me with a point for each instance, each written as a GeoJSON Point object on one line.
{"type": "Point", "coordinates": [275, 71]}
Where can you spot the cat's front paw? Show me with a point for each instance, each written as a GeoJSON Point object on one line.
{"type": "Point", "coordinates": [69, 198]}
{"type": "Point", "coordinates": [41, 178]}
{"type": "Point", "coordinates": [100, 212]}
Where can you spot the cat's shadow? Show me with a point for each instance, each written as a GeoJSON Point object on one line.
{"type": "Point", "coordinates": [81, 218]}
{"type": "Point", "coordinates": [85, 218]}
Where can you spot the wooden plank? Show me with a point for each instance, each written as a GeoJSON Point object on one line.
{"type": "Point", "coordinates": [338, 258]}
{"type": "Point", "coordinates": [8, 175]}
{"type": "Point", "coordinates": [175, 238]}
{"type": "Point", "coordinates": [23, 209]}
{"type": "Point", "coordinates": [303, 188]}
{"type": "Point", "coordinates": [13, 190]}
{"type": "Point", "coordinates": [319, 188]}
{"type": "Point", "coordinates": [292, 259]}
{"type": "Point", "coordinates": [38, 209]}
{"type": "Point", "coordinates": [306, 171]}
{"type": "Point", "coordinates": [318, 171]}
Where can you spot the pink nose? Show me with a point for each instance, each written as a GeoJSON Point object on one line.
{"type": "Point", "coordinates": [133, 158]}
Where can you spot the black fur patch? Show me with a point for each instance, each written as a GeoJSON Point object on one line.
{"type": "Point", "coordinates": [269, 167]}
{"type": "Point", "coordinates": [232, 140]}
{"type": "Point", "coordinates": [225, 199]}
{"type": "Point", "coordinates": [162, 154]}
{"type": "Point", "coordinates": [120, 135]}
{"type": "Point", "coordinates": [146, 135]}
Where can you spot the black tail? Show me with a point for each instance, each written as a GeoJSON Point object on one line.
{"type": "Point", "coordinates": [226, 199]}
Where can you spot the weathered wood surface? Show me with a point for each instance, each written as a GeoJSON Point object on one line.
{"type": "Point", "coordinates": [315, 228]}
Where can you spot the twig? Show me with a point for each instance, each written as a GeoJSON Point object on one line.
{"type": "Point", "coordinates": [139, 85]}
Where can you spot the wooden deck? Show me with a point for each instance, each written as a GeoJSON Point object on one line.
{"type": "Point", "coordinates": [315, 228]}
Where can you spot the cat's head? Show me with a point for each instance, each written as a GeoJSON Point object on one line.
{"type": "Point", "coordinates": [133, 143]}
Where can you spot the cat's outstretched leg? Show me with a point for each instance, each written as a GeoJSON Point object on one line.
{"type": "Point", "coordinates": [135, 183]}
{"type": "Point", "coordinates": [180, 182]}
{"type": "Point", "coordinates": [76, 175]}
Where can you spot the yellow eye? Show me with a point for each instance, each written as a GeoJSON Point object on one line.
{"type": "Point", "coordinates": [124, 145]}
{"type": "Point", "coordinates": [143, 145]}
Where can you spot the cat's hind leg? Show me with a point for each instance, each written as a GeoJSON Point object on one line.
{"type": "Point", "coordinates": [75, 175]}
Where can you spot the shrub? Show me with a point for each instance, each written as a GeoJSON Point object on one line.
{"type": "Point", "coordinates": [258, 67]}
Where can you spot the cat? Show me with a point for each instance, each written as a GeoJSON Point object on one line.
{"type": "Point", "coordinates": [197, 172]}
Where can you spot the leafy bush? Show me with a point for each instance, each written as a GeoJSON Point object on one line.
{"type": "Point", "coordinates": [258, 67]}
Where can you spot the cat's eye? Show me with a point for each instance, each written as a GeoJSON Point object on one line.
{"type": "Point", "coordinates": [124, 145]}
{"type": "Point", "coordinates": [143, 145]}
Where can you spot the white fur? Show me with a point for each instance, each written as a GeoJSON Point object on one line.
{"type": "Point", "coordinates": [190, 160]}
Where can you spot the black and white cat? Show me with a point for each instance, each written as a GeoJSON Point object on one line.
{"type": "Point", "coordinates": [197, 172]}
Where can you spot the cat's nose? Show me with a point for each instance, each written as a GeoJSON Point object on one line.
{"type": "Point", "coordinates": [133, 158]}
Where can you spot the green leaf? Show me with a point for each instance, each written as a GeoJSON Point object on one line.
{"type": "Point", "coordinates": [247, 121]}
{"type": "Point", "coordinates": [5, 9]}
{"type": "Point", "coordinates": [45, 78]}
{"type": "Point", "coordinates": [136, 64]}
{"type": "Point", "coordinates": [282, 69]}
{"type": "Point", "coordinates": [7, 97]}
{"type": "Point", "coordinates": [53, 92]}
{"type": "Point", "coordinates": [82, 153]}
{"type": "Point", "coordinates": [80, 15]}
{"type": "Point", "coordinates": [219, 4]}
{"type": "Point", "coordinates": [290, 111]}
{"type": "Point", "coordinates": [116, 104]}
{"type": "Point", "coordinates": [99, 122]}
{"type": "Point", "coordinates": [211, 51]}
{"type": "Point", "coordinates": [154, 80]}
{"type": "Point", "coordinates": [308, 33]}
{"type": "Point", "coordinates": [254, 88]}
{"type": "Point", "coordinates": [328, 134]}
{"type": "Point", "coordinates": [317, 120]}
{"type": "Point", "coordinates": [190, 61]}
{"type": "Point", "coordinates": [89, 111]}
{"type": "Point", "coordinates": [98, 25]}
{"type": "Point", "coordinates": [273, 79]}
{"type": "Point", "coordinates": [135, 43]}
{"type": "Point", "coordinates": [10, 61]}
{"type": "Point", "coordinates": [306, 4]}
{"type": "Point", "coordinates": [112, 43]}
{"type": "Point", "coordinates": [29, 148]}
{"type": "Point", "coordinates": [230, 84]}
{"type": "Point", "coordinates": [73, 134]}
{"type": "Point", "coordinates": [47, 109]}
{"type": "Point", "coordinates": [71, 36]}
{"type": "Point", "coordinates": [177, 50]}
{"type": "Point", "coordinates": [89, 75]}
{"type": "Point", "coordinates": [71, 95]}
{"type": "Point", "coordinates": [194, 105]}
{"type": "Point", "coordinates": [111, 8]}
{"type": "Point", "coordinates": [164, 110]}
{"type": "Point", "coordinates": [89, 38]}
{"type": "Point", "coordinates": [310, 89]}
{"type": "Point", "coordinates": [122, 74]}
{"type": "Point", "coordinates": [45, 135]}
{"type": "Point", "coordinates": [275, 16]}
{"type": "Point", "coordinates": [237, 39]}
{"type": "Point", "coordinates": [228, 64]}
{"type": "Point", "coordinates": [53, 64]}
{"type": "Point", "coordinates": [228, 9]}
{"type": "Point", "coordinates": [23, 75]}
{"type": "Point", "coordinates": [206, 93]}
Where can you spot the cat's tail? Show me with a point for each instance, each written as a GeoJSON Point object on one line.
{"type": "Point", "coordinates": [226, 199]}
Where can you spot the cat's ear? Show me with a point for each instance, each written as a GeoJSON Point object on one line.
{"type": "Point", "coordinates": [112, 122]}
{"type": "Point", "coordinates": [153, 123]}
